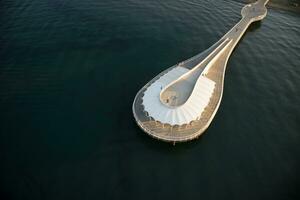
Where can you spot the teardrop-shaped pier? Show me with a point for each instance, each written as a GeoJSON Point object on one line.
{"type": "Point", "coordinates": [179, 104]}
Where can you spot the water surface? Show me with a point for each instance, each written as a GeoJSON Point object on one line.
{"type": "Point", "coordinates": [69, 71]}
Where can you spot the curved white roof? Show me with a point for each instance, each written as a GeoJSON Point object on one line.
{"type": "Point", "coordinates": [185, 113]}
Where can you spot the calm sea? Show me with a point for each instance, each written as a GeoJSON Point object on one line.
{"type": "Point", "coordinates": [69, 71]}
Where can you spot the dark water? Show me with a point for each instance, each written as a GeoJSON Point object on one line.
{"type": "Point", "coordinates": [69, 71]}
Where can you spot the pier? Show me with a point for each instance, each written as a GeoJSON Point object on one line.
{"type": "Point", "coordinates": [210, 65]}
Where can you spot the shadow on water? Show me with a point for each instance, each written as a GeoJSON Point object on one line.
{"type": "Point", "coordinates": [166, 147]}
{"type": "Point", "coordinates": [252, 28]}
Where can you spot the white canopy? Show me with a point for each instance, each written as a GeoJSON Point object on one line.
{"type": "Point", "coordinates": [185, 113]}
